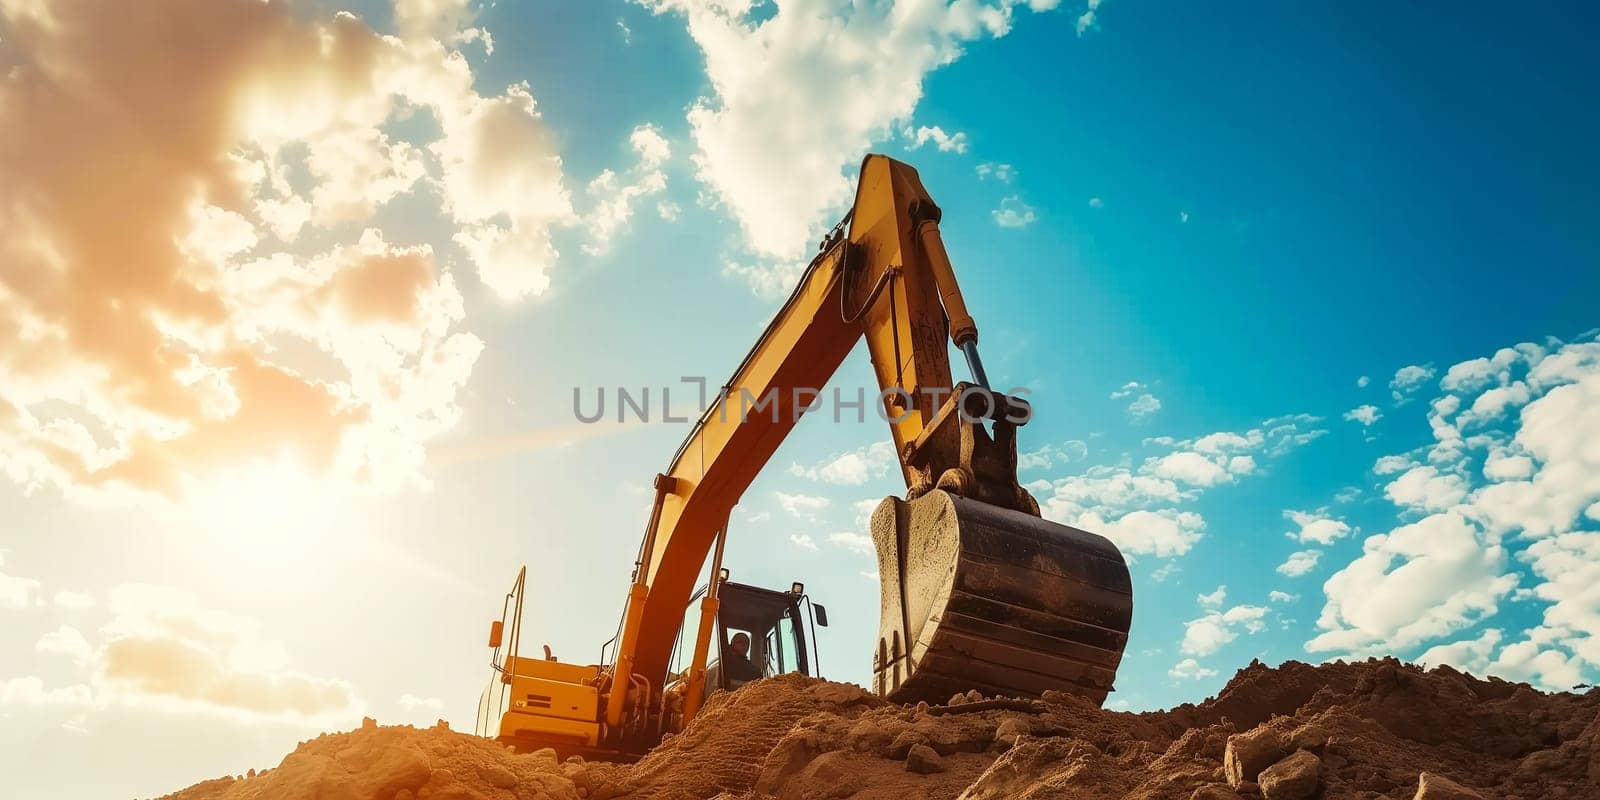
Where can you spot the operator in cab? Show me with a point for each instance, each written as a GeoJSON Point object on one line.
{"type": "Point", "coordinates": [736, 662]}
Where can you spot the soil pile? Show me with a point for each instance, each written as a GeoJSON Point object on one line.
{"type": "Point", "coordinates": [400, 763]}
{"type": "Point", "coordinates": [1378, 729]}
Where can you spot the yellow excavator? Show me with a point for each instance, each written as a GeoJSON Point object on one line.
{"type": "Point", "coordinates": [977, 590]}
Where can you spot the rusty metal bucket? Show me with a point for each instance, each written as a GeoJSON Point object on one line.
{"type": "Point", "coordinates": [979, 597]}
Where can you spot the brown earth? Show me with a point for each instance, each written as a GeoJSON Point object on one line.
{"type": "Point", "coordinates": [1378, 729]}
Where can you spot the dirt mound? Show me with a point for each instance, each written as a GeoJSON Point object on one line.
{"type": "Point", "coordinates": [1377, 729]}
{"type": "Point", "coordinates": [400, 763]}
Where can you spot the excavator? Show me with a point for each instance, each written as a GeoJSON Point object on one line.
{"type": "Point", "coordinates": [977, 591]}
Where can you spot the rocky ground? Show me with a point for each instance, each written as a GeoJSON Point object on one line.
{"type": "Point", "coordinates": [1379, 729]}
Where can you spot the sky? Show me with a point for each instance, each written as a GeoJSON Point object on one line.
{"type": "Point", "coordinates": [295, 297]}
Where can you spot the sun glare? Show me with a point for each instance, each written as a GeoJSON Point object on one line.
{"type": "Point", "coordinates": [274, 520]}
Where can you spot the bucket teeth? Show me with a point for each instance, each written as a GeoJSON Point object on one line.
{"type": "Point", "coordinates": [979, 597]}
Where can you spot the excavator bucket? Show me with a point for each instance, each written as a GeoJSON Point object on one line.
{"type": "Point", "coordinates": [980, 597]}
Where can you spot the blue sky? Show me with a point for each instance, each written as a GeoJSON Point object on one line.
{"type": "Point", "coordinates": [1301, 227]}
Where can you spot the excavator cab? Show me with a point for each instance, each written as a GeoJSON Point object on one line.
{"type": "Point", "coordinates": [779, 633]}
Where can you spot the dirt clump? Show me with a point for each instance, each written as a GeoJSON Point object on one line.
{"type": "Point", "coordinates": [1369, 730]}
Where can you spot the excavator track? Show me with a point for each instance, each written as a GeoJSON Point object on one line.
{"type": "Point", "coordinates": [975, 596]}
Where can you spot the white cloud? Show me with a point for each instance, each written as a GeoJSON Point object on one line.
{"type": "Point", "coordinates": [803, 541]}
{"type": "Point", "coordinates": [30, 690]}
{"type": "Point", "coordinates": [164, 650]}
{"type": "Point", "coordinates": [852, 468]}
{"type": "Point", "coordinates": [417, 710]}
{"type": "Point", "coordinates": [1502, 465]}
{"type": "Point", "coordinates": [1475, 375]}
{"type": "Point", "coordinates": [1276, 437]}
{"type": "Point", "coordinates": [1366, 415]}
{"type": "Point", "coordinates": [1277, 596]}
{"type": "Point", "coordinates": [1425, 488]}
{"type": "Point", "coordinates": [73, 601]}
{"type": "Point", "coordinates": [801, 506]}
{"type": "Point", "coordinates": [759, 152]}
{"type": "Point", "coordinates": [1112, 488]}
{"type": "Point", "coordinates": [411, 702]}
{"type": "Point", "coordinates": [15, 591]}
{"type": "Point", "coordinates": [1389, 465]}
{"type": "Point", "coordinates": [769, 281]}
{"type": "Point", "coordinates": [945, 142]}
{"type": "Point", "coordinates": [1052, 455]}
{"type": "Point", "coordinates": [1191, 468]}
{"type": "Point", "coordinates": [1214, 598]}
{"type": "Point", "coordinates": [432, 19]}
{"type": "Point", "coordinates": [1470, 655]}
{"type": "Point", "coordinates": [1004, 173]}
{"type": "Point", "coordinates": [1014, 213]}
{"type": "Point", "coordinates": [1572, 363]}
{"type": "Point", "coordinates": [1183, 217]}
{"type": "Point", "coordinates": [1127, 390]}
{"type": "Point", "coordinates": [1361, 382]}
{"type": "Point", "coordinates": [65, 641]}
{"type": "Point", "coordinates": [420, 711]}
{"type": "Point", "coordinates": [1139, 509]}
{"type": "Point", "coordinates": [1407, 380]}
{"type": "Point", "coordinates": [1421, 581]}
{"type": "Point", "coordinates": [1557, 433]}
{"type": "Point", "coordinates": [219, 342]}
{"type": "Point", "coordinates": [614, 201]}
{"type": "Point", "coordinates": [1143, 406]}
{"type": "Point", "coordinates": [1161, 533]}
{"type": "Point", "coordinates": [1316, 527]}
{"type": "Point", "coordinates": [1207, 634]}
{"type": "Point", "coordinates": [1299, 563]}
{"type": "Point", "coordinates": [1540, 478]}
{"type": "Point", "coordinates": [1190, 669]}
{"type": "Point", "coordinates": [1491, 405]}
{"type": "Point", "coordinates": [1545, 666]}
{"type": "Point", "coordinates": [1088, 19]}
{"type": "Point", "coordinates": [857, 542]}
{"type": "Point", "coordinates": [502, 182]}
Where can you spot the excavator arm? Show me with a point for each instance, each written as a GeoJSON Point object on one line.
{"type": "Point", "coordinates": [883, 274]}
